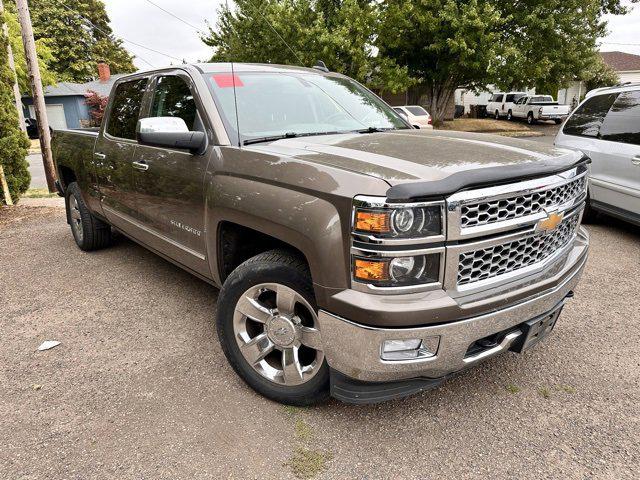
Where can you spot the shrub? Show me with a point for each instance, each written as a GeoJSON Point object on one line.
{"type": "Point", "coordinates": [13, 142]}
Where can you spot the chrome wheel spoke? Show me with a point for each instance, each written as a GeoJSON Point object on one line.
{"type": "Point", "coordinates": [291, 368]}
{"type": "Point", "coordinates": [311, 338]}
{"type": "Point", "coordinates": [251, 308]}
{"type": "Point", "coordinates": [285, 300]}
{"type": "Point", "coordinates": [257, 348]}
{"type": "Point", "coordinates": [75, 214]}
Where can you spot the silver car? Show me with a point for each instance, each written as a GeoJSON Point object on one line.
{"type": "Point", "coordinates": [606, 126]}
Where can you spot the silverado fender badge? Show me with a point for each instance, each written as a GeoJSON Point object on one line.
{"type": "Point", "coordinates": [551, 222]}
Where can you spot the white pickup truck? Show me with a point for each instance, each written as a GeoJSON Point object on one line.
{"type": "Point", "coordinates": [538, 107]}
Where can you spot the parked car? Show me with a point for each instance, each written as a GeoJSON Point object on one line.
{"type": "Point", "coordinates": [500, 103]}
{"type": "Point", "coordinates": [415, 115]}
{"type": "Point", "coordinates": [538, 107]}
{"type": "Point", "coordinates": [606, 126]}
{"type": "Point", "coordinates": [356, 256]}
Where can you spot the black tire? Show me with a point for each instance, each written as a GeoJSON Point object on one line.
{"type": "Point", "coordinates": [509, 115]}
{"type": "Point", "coordinates": [557, 121]}
{"type": "Point", "coordinates": [274, 266]}
{"type": "Point", "coordinates": [497, 115]}
{"type": "Point", "coordinates": [530, 119]}
{"type": "Point", "coordinates": [89, 232]}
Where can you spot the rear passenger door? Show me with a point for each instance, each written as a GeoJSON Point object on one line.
{"type": "Point", "coordinates": [617, 175]}
{"type": "Point", "coordinates": [169, 182]}
{"type": "Point", "coordinates": [114, 150]}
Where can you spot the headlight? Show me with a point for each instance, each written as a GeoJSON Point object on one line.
{"type": "Point", "coordinates": [397, 271]}
{"type": "Point", "coordinates": [403, 222]}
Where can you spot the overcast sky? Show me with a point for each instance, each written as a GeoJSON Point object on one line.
{"type": "Point", "coordinates": [141, 22]}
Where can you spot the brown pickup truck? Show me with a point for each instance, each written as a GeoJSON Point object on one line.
{"type": "Point", "coordinates": [356, 256]}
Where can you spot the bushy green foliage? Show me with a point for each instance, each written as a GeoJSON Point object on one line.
{"type": "Point", "coordinates": [13, 142]}
{"type": "Point", "coordinates": [339, 32]}
{"type": "Point", "coordinates": [75, 45]}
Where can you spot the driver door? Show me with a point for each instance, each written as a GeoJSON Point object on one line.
{"type": "Point", "coordinates": [169, 182]}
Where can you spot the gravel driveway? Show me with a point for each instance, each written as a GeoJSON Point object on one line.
{"type": "Point", "coordinates": [139, 387]}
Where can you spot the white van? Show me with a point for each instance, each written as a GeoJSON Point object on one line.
{"type": "Point", "coordinates": [500, 103]}
{"type": "Point", "coordinates": [606, 126]}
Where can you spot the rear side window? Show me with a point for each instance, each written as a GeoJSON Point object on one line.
{"type": "Point", "coordinates": [497, 97]}
{"type": "Point", "coordinates": [125, 109]}
{"type": "Point", "coordinates": [622, 123]}
{"type": "Point", "coordinates": [512, 97]}
{"type": "Point", "coordinates": [418, 111]}
{"type": "Point", "coordinates": [588, 117]}
{"type": "Point", "coordinates": [173, 98]}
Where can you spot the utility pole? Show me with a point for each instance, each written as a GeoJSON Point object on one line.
{"type": "Point", "coordinates": [37, 92]}
{"type": "Point", "coordinates": [12, 66]}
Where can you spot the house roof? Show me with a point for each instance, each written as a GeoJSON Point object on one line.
{"type": "Point", "coordinates": [71, 89]}
{"type": "Point", "coordinates": [621, 61]}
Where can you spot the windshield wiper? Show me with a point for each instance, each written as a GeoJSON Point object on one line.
{"type": "Point", "coordinates": [286, 135]}
{"type": "Point", "coordinates": [373, 130]}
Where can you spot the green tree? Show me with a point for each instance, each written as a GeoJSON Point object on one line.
{"type": "Point", "coordinates": [45, 55]}
{"type": "Point", "coordinates": [13, 142]}
{"type": "Point", "coordinates": [339, 32]}
{"type": "Point", "coordinates": [76, 45]}
{"type": "Point", "coordinates": [599, 74]}
{"type": "Point", "coordinates": [446, 44]}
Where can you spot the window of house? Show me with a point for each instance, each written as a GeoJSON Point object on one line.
{"type": "Point", "coordinates": [622, 123]}
{"type": "Point", "coordinates": [125, 109]}
{"type": "Point", "coordinates": [588, 117]}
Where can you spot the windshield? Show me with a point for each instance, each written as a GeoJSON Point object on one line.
{"type": "Point", "coordinates": [292, 103]}
{"type": "Point", "coordinates": [417, 111]}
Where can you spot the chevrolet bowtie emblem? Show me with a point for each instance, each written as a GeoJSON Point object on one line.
{"type": "Point", "coordinates": [552, 221]}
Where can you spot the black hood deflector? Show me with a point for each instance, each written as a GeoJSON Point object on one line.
{"type": "Point", "coordinates": [481, 177]}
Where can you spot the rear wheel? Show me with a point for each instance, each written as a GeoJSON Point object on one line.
{"type": "Point", "coordinates": [497, 115]}
{"type": "Point", "coordinates": [89, 232]}
{"type": "Point", "coordinates": [558, 121]}
{"type": "Point", "coordinates": [530, 119]}
{"type": "Point", "coordinates": [509, 116]}
{"type": "Point", "coordinates": [268, 329]}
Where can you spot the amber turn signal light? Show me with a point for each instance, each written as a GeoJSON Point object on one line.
{"type": "Point", "coordinates": [373, 221]}
{"type": "Point", "coordinates": [371, 270]}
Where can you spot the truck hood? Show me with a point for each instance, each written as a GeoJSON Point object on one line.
{"type": "Point", "coordinates": [449, 160]}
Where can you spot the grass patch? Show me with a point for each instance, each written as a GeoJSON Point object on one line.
{"type": "Point", "coordinates": [38, 193]}
{"type": "Point", "coordinates": [291, 410]}
{"type": "Point", "coordinates": [512, 389]}
{"type": "Point", "coordinates": [545, 392]}
{"type": "Point", "coordinates": [304, 432]}
{"type": "Point", "coordinates": [567, 389]}
{"type": "Point", "coordinates": [306, 463]}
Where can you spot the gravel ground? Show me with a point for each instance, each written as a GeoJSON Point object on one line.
{"type": "Point", "coordinates": [139, 387]}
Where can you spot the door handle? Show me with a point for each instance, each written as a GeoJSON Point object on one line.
{"type": "Point", "coordinates": [636, 160]}
{"type": "Point", "coordinates": [99, 155]}
{"type": "Point", "coordinates": [142, 166]}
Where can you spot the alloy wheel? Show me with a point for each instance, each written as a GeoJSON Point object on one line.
{"type": "Point", "coordinates": [76, 218]}
{"type": "Point", "coordinates": [276, 330]}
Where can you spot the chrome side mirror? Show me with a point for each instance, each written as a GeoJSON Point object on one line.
{"type": "Point", "coordinates": [170, 132]}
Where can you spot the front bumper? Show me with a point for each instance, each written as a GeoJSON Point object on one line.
{"type": "Point", "coordinates": [353, 351]}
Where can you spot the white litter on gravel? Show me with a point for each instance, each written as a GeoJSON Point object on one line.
{"type": "Point", "coordinates": [47, 345]}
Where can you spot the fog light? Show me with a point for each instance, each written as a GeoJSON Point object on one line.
{"type": "Point", "coordinates": [410, 348]}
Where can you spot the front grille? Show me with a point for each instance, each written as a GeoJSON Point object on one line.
{"type": "Point", "coordinates": [499, 259]}
{"type": "Point", "coordinates": [488, 212]}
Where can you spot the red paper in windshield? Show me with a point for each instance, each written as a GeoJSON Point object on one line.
{"type": "Point", "coordinates": [226, 80]}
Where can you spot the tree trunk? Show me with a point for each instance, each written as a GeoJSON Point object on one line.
{"type": "Point", "coordinates": [439, 97]}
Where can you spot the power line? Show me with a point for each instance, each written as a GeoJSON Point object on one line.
{"type": "Point", "coordinates": [275, 31]}
{"type": "Point", "coordinates": [627, 44]}
{"type": "Point", "coordinates": [174, 16]}
{"type": "Point", "coordinates": [124, 39]}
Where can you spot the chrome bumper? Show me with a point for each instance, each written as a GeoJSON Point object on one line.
{"type": "Point", "coordinates": [354, 350]}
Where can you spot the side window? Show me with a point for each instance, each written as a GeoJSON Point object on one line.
{"type": "Point", "coordinates": [588, 117]}
{"type": "Point", "coordinates": [126, 108]}
{"type": "Point", "coordinates": [173, 98]}
{"type": "Point", "coordinates": [622, 123]}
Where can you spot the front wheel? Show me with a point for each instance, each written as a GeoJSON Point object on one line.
{"type": "Point", "coordinates": [268, 328]}
{"type": "Point", "coordinates": [497, 115]}
{"type": "Point", "coordinates": [509, 115]}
